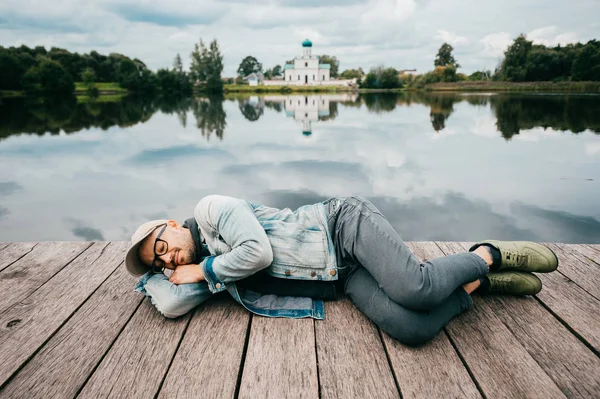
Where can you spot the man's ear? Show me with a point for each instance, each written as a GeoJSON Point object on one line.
{"type": "Point", "coordinates": [174, 224]}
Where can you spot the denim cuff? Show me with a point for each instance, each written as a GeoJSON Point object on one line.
{"type": "Point", "coordinates": [466, 302]}
{"type": "Point", "coordinates": [141, 284]}
{"type": "Point", "coordinates": [214, 284]}
{"type": "Point", "coordinates": [485, 268]}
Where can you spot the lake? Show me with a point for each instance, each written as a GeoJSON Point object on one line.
{"type": "Point", "coordinates": [458, 167]}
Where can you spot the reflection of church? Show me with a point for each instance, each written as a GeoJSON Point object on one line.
{"type": "Point", "coordinates": [310, 108]}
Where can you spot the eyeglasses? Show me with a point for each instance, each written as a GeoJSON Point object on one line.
{"type": "Point", "coordinates": [161, 247]}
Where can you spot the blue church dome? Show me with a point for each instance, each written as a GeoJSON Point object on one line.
{"type": "Point", "coordinates": [307, 43]}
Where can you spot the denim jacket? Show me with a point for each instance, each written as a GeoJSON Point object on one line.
{"type": "Point", "coordinates": [244, 238]}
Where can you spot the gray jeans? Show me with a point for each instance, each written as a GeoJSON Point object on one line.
{"type": "Point", "coordinates": [409, 300]}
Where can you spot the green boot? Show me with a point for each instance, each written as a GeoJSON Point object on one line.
{"type": "Point", "coordinates": [513, 283]}
{"type": "Point", "coordinates": [525, 256]}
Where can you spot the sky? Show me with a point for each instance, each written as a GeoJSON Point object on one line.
{"type": "Point", "coordinates": [403, 34]}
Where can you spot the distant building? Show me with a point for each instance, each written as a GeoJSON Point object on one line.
{"type": "Point", "coordinates": [407, 72]}
{"type": "Point", "coordinates": [306, 69]}
{"type": "Point", "coordinates": [310, 108]}
{"type": "Point", "coordinates": [254, 79]}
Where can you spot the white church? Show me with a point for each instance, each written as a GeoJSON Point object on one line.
{"type": "Point", "coordinates": [306, 70]}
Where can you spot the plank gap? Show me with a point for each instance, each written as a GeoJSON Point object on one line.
{"type": "Point", "coordinates": [389, 360]}
{"type": "Point", "coordinates": [108, 349]}
{"type": "Point", "coordinates": [465, 364]}
{"type": "Point", "coordinates": [18, 259]}
{"type": "Point", "coordinates": [162, 381]}
{"type": "Point", "coordinates": [50, 336]}
{"type": "Point", "coordinates": [568, 327]}
{"type": "Point", "coordinates": [317, 358]}
{"type": "Point", "coordinates": [238, 384]}
{"type": "Point", "coordinates": [54, 275]}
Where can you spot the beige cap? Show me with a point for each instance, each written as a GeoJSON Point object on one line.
{"type": "Point", "coordinates": [132, 262]}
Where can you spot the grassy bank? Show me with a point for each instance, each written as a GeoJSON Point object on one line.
{"type": "Point", "coordinates": [548, 87]}
{"type": "Point", "coordinates": [234, 88]}
{"type": "Point", "coordinates": [104, 98]}
{"type": "Point", "coordinates": [109, 87]}
{"type": "Point", "coordinates": [11, 93]}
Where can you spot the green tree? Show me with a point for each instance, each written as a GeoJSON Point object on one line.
{"type": "Point", "coordinates": [214, 83]}
{"type": "Point", "coordinates": [513, 66]}
{"type": "Point", "coordinates": [352, 74]}
{"type": "Point", "coordinates": [586, 65]}
{"type": "Point", "coordinates": [128, 74]}
{"type": "Point", "coordinates": [382, 78]}
{"type": "Point", "coordinates": [277, 70]}
{"type": "Point", "coordinates": [444, 56]}
{"type": "Point", "coordinates": [50, 78]}
{"type": "Point", "coordinates": [88, 76]}
{"type": "Point", "coordinates": [199, 59]}
{"type": "Point", "coordinates": [333, 62]}
{"type": "Point", "coordinates": [11, 71]}
{"type": "Point", "coordinates": [249, 65]}
{"type": "Point", "coordinates": [178, 64]}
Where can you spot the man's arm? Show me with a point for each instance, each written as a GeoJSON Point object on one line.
{"type": "Point", "coordinates": [234, 220]}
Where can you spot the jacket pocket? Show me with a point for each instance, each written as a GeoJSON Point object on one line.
{"type": "Point", "coordinates": [298, 247]}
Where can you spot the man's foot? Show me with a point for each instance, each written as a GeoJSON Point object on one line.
{"type": "Point", "coordinates": [512, 283]}
{"type": "Point", "coordinates": [525, 256]}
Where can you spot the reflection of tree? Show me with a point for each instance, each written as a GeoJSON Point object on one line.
{"type": "Point", "coordinates": [210, 115]}
{"type": "Point", "coordinates": [252, 111]}
{"type": "Point", "coordinates": [40, 116]}
{"type": "Point", "coordinates": [518, 112]}
{"type": "Point", "coordinates": [333, 112]}
{"type": "Point", "coordinates": [441, 109]}
{"type": "Point", "coordinates": [380, 102]}
{"type": "Point", "coordinates": [274, 105]}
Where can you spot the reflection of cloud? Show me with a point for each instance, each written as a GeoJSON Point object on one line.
{"type": "Point", "coordinates": [592, 148]}
{"type": "Point", "coordinates": [3, 212]}
{"type": "Point", "coordinates": [455, 217]}
{"type": "Point", "coordinates": [9, 187]}
{"type": "Point", "coordinates": [159, 156]}
{"type": "Point", "coordinates": [88, 233]}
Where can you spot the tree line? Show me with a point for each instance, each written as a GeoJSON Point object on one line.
{"type": "Point", "coordinates": [55, 71]}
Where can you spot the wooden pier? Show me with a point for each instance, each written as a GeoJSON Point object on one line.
{"type": "Point", "coordinates": [71, 325]}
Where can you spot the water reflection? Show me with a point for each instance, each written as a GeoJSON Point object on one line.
{"type": "Point", "coordinates": [435, 164]}
{"type": "Point", "coordinates": [513, 113]}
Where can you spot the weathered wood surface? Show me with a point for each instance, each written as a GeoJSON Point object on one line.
{"type": "Point", "coordinates": [13, 251]}
{"type": "Point", "coordinates": [351, 357]}
{"type": "Point", "coordinates": [207, 364]}
{"type": "Point", "coordinates": [28, 324]}
{"type": "Point", "coordinates": [270, 371]}
{"type": "Point", "coordinates": [71, 325]}
{"type": "Point", "coordinates": [63, 365]}
{"type": "Point", "coordinates": [35, 268]}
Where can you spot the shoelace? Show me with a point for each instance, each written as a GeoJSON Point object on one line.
{"type": "Point", "coordinates": [502, 284]}
{"type": "Point", "coordinates": [516, 259]}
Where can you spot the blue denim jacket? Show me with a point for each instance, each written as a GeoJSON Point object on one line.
{"type": "Point", "coordinates": [244, 238]}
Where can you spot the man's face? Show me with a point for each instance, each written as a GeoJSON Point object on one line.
{"type": "Point", "coordinates": [180, 248]}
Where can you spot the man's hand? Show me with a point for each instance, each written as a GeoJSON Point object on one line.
{"type": "Point", "coordinates": [186, 274]}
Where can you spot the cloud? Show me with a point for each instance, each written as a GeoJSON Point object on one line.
{"type": "Point", "coordinates": [451, 38]}
{"type": "Point", "coordinates": [495, 44]}
{"type": "Point", "coordinates": [548, 36]}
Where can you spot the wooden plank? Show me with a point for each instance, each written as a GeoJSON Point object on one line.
{"type": "Point", "coordinates": [137, 362]}
{"type": "Point", "coordinates": [280, 361]}
{"type": "Point", "coordinates": [10, 252]}
{"type": "Point", "coordinates": [578, 267]}
{"type": "Point", "coordinates": [31, 271]}
{"type": "Point", "coordinates": [573, 305]}
{"type": "Point", "coordinates": [27, 325]}
{"type": "Point", "coordinates": [433, 370]}
{"type": "Point", "coordinates": [63, 365]}
{"type": "Point", "coordinates": [351, 358]}
{"type": "Point", "coordinates": [213, 344]}
{"type": "Point", "coordinates": [572, 366]}
{"type": "Point", "coordinates": [590, 253]}
{"type": "Point", "coordinates": [499, 363]}
{"type": "Point", "coordinates": [596, 250]}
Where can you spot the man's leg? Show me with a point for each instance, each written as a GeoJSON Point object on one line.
{"type": "Point", "coordinates": [170, 299]}
{"type": "Point", "coordinates": [407, 326]}
{"type": "Point", "coordinates": [366, 237]}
